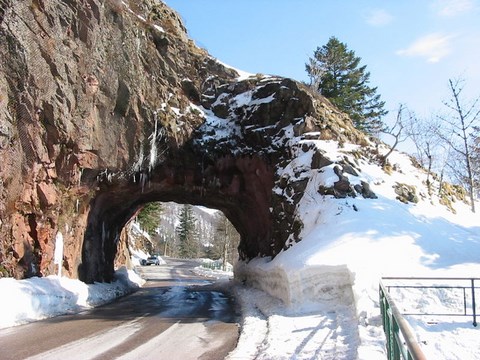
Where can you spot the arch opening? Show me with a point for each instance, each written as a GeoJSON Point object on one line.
{"type": "Point", "coordinates": [238, 187]}
{"type": "Point", "coordinates": [186, 231]}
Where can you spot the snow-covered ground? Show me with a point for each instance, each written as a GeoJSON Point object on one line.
{"type": "Point", "coordinates": [330, 279]}
{"type": "Point", "coordinates": [23, 301]}
{"type": "Point", "coordinates": [319, 299]}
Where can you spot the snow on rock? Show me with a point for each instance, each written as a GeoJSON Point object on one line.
{"type": "Point", "coordinates": [242, 75]}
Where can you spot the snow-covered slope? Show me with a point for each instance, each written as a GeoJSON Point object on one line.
{"type": "Point", "coordinates": [348, 244]}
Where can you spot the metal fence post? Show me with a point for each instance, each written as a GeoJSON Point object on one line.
{"type": "Point", "coordinates": [398, 346]}
{"type": "Point", "coordinates": [395, 336]}
{"type": "Point", "coordinates": [474, 308]}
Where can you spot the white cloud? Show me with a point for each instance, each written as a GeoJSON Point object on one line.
{"type": "Point", "coordinates": [453, 7]}
{"type": "Point", "coordinates": [433, 47]}
{"type": "Point", "coordinates": [379, 17]}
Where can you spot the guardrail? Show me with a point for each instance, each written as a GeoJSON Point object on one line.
{"type": "Point", "coordinates": [470, 288]}
{"type": "Point", "coordinates": [401, 343]}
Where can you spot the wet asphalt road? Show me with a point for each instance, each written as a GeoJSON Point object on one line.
{"type": "Point", "coordinates": [176, 315]}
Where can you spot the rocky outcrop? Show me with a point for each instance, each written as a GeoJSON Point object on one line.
{"type": "Point", "coordinates": [406, 193]}
{"type": "Point", "coordinates": [107, 105]}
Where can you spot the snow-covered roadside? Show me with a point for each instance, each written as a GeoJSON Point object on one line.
{"type": "Point", "coordinates": [272, 330]}
{"type": "Point", "coordinates": [213, 274]}
{"type": "Point", "coordinates": [349, 244]}
{"type": "Point", "coordinates": [320, 297]}
{"type": "Point", "coordinates": [212, 269]}
{"type": "Point", "coordinates": [23, 301]}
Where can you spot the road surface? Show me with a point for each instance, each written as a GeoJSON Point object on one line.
{"type": "Point", "coordinates": [176, 315]}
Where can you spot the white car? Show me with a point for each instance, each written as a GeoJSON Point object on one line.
{"type": "Point", "coordinates": [152, 260]}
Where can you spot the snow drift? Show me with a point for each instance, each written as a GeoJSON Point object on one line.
{"type": "Point", "coordinates": [349, 243]}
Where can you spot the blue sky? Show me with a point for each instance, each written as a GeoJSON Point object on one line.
{"type": "Point", "coordinates": [410, 47]}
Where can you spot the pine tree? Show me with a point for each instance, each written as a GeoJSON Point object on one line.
{"type": "Point", "coordinates": [186, 230]}
{"type": "Point", "coordinates": [149, 217]}
{"type": "Point", "coordinates": [335, 73]}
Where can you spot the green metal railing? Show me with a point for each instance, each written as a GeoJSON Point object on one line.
{"type": "Point", "coordinates": [454, 283]}
{"type": "Point", "coordinates": [401, 343]}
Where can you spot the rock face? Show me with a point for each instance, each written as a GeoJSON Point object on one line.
{"type": "Point", "coordinates": [107, 105]}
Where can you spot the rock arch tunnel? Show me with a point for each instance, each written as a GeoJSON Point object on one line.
{"type": "Point", "coordinates": [239, 187]}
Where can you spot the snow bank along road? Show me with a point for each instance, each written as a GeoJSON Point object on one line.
{"type": "Point", "coordinates": [176, 315]}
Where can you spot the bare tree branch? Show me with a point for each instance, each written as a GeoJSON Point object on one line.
{"type": "Point", "coordinates": [461, 124]}
{"type": "Point", "coordinates": [397, 130]}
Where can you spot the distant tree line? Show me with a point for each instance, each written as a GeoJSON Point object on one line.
{"type": "Point", "coordinates": [221, 245]}
{"type": "Point", "coordinates": [190, 239]}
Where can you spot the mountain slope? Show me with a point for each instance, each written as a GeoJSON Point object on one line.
{"type": "Point", "coordinates": [349, 243]}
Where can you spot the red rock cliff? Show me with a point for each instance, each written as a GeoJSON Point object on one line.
{"type": "Point", "coordinates": [106, 105]}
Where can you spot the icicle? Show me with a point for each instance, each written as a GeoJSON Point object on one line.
{"type": "Point", "coordinates": [103, 232]}
{"type": "Point", "coordinates": [143, 180]}
{"type": "Point", "coordinates": [80, 176]}
{"type": "Point", "coordinates": [58, 253]}
{"type": "Point", "coordinates": [137, 165]}
{"type": "Point", "coordinates": [104, 237]}
{"type": "Point", "coordinates": [153, 145]}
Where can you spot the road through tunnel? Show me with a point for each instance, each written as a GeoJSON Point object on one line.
{"type": "Point", "coordinates": [239, 187]}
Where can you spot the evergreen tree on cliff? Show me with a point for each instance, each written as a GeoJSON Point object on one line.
{"type": "Point", "coordinates": [149, 217]}
{"type": "Point", "coordinates": [335, 72]}
{"type": "Point", "coordinates": [187, 233]}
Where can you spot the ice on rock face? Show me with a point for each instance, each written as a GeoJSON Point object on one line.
{"type": "Point", "coordinates": [153, 145]}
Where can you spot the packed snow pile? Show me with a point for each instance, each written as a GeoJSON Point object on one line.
{"type": "Point", "coordinates": [349, 242]}
{"type": "Point", "coordinates": [36, 298]}
{"type": "Point", "coordinates": [272, 331]}
{"type": "Point", "coordinates": [214, 269]}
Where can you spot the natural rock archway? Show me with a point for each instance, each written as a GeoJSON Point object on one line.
{"type": "Point", "coordinates": [240, 187]}
{"type": "Point", "coordinates": [105, 106]}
